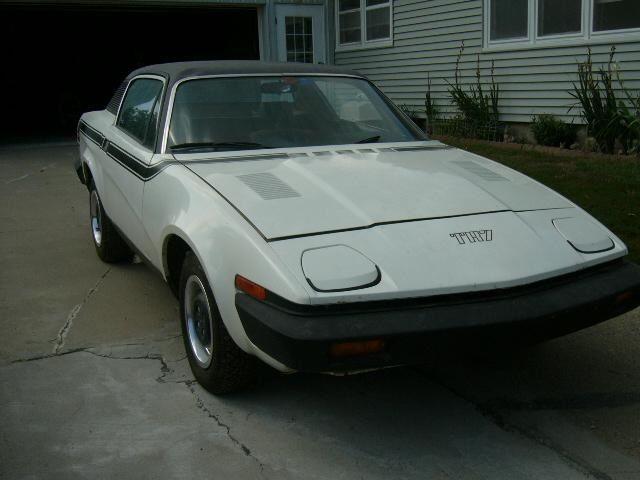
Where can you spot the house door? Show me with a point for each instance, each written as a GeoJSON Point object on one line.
{"type": "Point", "coordinates": [301, 33]}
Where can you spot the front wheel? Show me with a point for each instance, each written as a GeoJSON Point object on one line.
{"type": "Point", "coordinates": [216, 361]}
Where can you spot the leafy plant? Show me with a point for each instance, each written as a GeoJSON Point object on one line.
{"type": "Point", "coordinates": [609, 119]}
{"type": "Point", "coordinates": [409, 110]}
{"type": "Point", "coordinates": [430, 108]}
{"type": "Point", "coordinates": [459, 127]}
{"type": "Point", "coordinates": [629, 117]}
{"type": "Point", "coordinates": [414, 114]}
{"type": "Point", "coordinates": [552, 132]}
{"type": "Point", "coordinates": [478, 105]}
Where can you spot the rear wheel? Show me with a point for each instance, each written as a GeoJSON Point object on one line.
{"type": "Point", "coordinates": [110, 246]}
{"type": "Point", "coordinates": [216, 361]}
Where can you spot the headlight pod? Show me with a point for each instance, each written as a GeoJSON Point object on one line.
{"type": "Point", "coordinates": [338, 268]}
{"type": "Point", "coordinates": [583, 235]}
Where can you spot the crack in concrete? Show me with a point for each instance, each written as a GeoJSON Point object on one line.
{"type": "Point", "coordinates": [91, 350]}
{"type": "Point", "coordinates": [537, 437]}
{"type": "Point", "coordinates": [200, 404]}
{"type": "Point", "coordinates": [64, 331]}
{"type": "Point", "coordinates": [27, 175]}
{"type": "Point", "coordinates": [165, 370]}
{"type": "Point", "coordinates": [592, 400]}
{"type": "Point", "coordinates": [66, 328]}
{"type": "Point", "coordinates": [48, 355]}
{"type": "Point", "coordinates": [148, 356]}
{"type": "Point", "coordinates": [17, 179]}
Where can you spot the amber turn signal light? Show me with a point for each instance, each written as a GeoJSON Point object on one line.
{"type": "Point", "coordinates": [624, 297]}
{"type": "Point", "coordinates": [353, 349]}
{"type": "Point", "coordinates": [250, 288]}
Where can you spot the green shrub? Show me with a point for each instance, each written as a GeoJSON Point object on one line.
{"type": "Point", "coordinates": [609, 119]}
{"type": "Point", "coordinates": [478, 105]}
{"type": "Point", "coordinates": [552, 132]}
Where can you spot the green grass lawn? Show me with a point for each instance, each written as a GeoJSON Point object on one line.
{"type": "Point", "coordinates": [607, 187]}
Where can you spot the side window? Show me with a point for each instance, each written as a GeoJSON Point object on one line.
{"type": "Point", "coordinates": [139, 112]}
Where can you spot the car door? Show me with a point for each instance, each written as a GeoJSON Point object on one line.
{"type": "Point", "coordinates": [131, 141]}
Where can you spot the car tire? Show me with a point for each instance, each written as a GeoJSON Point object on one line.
{"type": "Point", "coordinates": [218, 364]}
{"type": "Point", "coordinates": [110, 246]}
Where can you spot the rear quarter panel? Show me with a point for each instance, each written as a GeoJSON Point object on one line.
{"type": "Point", "coordinates": [90, 153]}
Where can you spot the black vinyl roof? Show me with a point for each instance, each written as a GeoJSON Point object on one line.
{"type": "Point", "coordinates": [176, 71]}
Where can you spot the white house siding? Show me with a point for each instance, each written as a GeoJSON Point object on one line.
{"type": "Point", "coordinates": [427, 37]}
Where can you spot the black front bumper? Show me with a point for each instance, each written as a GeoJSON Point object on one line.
{"type": "Point", "coordinates": [300, 336]}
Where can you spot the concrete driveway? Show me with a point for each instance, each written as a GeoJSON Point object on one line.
{"type": "Point", "coordinates": [94, 382]}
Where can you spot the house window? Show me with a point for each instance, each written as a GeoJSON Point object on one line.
{"type": "Point", "coordinates": [378, 19]}
{"type": "Point", "coordinates": [509, 19]}
{"type": "Point", "coordinates": [615, 15]}
{"type": "Point", "coordinates": [528, 22]}
{"type": "Point", "coordinates": [559, 17]}
{"type": "Point", "coordinates": [364, 23]}
{"type": "Point", "coordinates": [349, 21]}
{"type": "Point", "coordinates": [299, 32]}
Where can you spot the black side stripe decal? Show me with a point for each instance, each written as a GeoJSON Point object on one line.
{"type": "Point", "coordinates": [141, 170]}
{"type": "Point", "coordinates": [91, 133]}
{"type": "Point", "coordinates": [135, 166]}
{"type": "Point", "coordinates": [146, 172]}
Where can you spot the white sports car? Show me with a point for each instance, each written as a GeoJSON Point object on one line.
{"type": "Point", "coordinates": [302, 219]}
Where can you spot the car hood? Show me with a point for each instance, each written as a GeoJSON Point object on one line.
{"type": "Point", "coordinates": [288, 194]}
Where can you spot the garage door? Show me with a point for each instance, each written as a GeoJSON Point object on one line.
{"type": "Point", "coordinates": [59, 61]}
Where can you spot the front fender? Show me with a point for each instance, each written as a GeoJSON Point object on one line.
{"type": "Point", "coordinates": [178, 202]}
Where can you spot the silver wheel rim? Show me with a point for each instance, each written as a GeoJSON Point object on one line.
{"type": "Point", "coordinates": [199, 323]}
{"type": "Point", "coordinates": [96, 218]}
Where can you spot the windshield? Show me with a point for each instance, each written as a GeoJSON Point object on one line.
{"type": "Point", "coordinates": [274, 112]}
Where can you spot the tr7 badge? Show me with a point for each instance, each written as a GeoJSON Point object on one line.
{"type": "Point", "coordinates": [473, 236]}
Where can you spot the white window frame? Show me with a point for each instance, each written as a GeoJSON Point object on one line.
{"type": "Point", "coordinates": [587, 35]}
{"type": "Point", "coordinates": [507, 41]}
{"type": "Point", "coordinates": [576, 35]}
{"type": "Point", "coordinates": [363, 43]}
{"type": "Point", "coordinates": [607, 33]}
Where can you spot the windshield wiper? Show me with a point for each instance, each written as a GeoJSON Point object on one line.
{"type": "Point", "coordinates": [370, 139]}
{"type": "Point", "coordinates": [218, 145]}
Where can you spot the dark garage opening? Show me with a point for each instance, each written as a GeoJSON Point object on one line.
{"type": "Point", "coordinates": [62, 60]}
